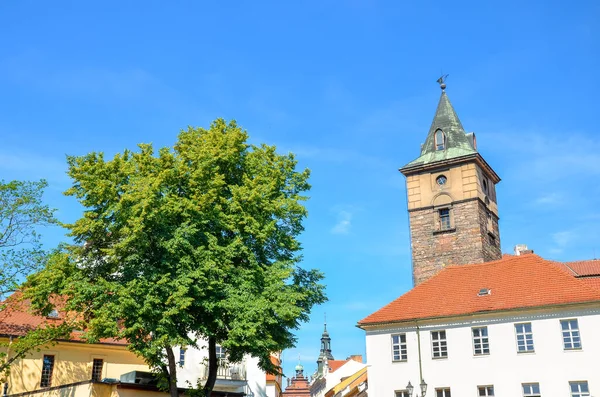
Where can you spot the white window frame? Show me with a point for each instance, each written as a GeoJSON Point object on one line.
{"type": "Point", "coordinates": [439, 345]}
{"type": "Point", "coordinates": [401, 393]}
{"type": "Point", "coordinates": [402, 348]}
{"type": "Point", "coordinates": [483, 340]}
{"type": "Point", "coordinates": [571, 335]}
{"type": "Point", "coordinates": [580, 385]}
{"type": "Point", "coordinates": [445, 392]}
{"type": "Point", "coordinates": [531, 392]}
{"type": "Point", "coordinates": [221, 352]}
{"type": "Point", "coordinates": [487, 389]}
{"type": "Point", "coordinates": [527, 338]}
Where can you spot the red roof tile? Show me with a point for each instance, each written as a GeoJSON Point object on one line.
{"type": "Point", "coordinates": [275, 360]}
{"type": "Point", "coordinates": [523, 281]}
{"type": "Point", "coordinates": [593, 282]}
{"type": "Point", "coordinates": [585, 268]}
{"type": "Point", "coordinates": [334, 365]}
{"type": "Point", "coordinates": [16, 319]}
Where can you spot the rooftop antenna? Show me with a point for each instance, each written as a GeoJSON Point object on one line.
{"type": "Point", "coordinates": [442, 81]}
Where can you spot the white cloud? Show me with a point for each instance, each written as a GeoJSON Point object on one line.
{"type": "Point", "coordinates": [344, 222]}
{"type": "Point", "coordinates": [549, 199]}
{"type": "Point", "coordinates": [562, 240]}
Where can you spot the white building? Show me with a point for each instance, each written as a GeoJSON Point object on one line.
{"type": "Point", "coordinates": [519, 326]}
{"type": "Point", "coordinates": [237, 379]}
{"type": "Point", "coordinates": [335, 371]}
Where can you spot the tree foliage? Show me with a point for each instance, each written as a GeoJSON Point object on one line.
{"type": "Point", "coordinates": [194, 241]}
{"type": "Point", "coordinates": [21, 213]}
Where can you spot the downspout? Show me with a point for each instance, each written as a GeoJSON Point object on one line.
{"type": "Point", "coordinates": [419, 347]}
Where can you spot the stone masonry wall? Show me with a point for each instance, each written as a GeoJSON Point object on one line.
{"type": "Point", "coordinates": [467, 242]}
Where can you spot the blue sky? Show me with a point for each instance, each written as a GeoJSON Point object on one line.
{"type": "Point", "coordinates": [349, 86]}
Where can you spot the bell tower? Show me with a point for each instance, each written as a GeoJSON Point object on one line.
{"type": "Point", "coordinates": [451, 191]}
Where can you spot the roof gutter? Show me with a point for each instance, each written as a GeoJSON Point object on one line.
{"type": "Point", "coordinates": [364, 326]}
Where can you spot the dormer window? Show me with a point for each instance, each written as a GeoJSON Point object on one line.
{"type": "Point", "coordinates": [53, 314]}
{"type": "Point", "coordinates": [440, 140]}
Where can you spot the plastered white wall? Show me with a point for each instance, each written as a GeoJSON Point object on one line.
{"type": "Point", "coordinates": [550, 365]}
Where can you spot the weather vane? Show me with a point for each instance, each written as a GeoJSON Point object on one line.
{"type": "Point", "coordinates": [442, 81]}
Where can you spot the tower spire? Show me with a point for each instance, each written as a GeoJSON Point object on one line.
{"type": "Point", "coordinates": [325, 352]}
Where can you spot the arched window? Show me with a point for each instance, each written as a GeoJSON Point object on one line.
{"type": "Point", "coordinates": [440, 140]}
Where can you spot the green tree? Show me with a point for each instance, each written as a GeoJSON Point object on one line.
{"type": "Point", "coordinates": [197, 241]}
{"type": "Point", "coordinates": [22, 212]}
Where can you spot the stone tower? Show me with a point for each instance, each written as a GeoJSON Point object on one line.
{"type": "Point", "coordinates": [451, 192]}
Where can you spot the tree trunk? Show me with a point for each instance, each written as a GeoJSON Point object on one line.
{"type": "Point", "coordinates": [212, 367]}
{"type": "Point", "coordinates": [172, 373]}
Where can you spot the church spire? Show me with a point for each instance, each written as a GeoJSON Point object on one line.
{"type": "Point", "coordinates": [446, 138]}
{"type": "Point", "coordinates": [326, 342]}
{"type": "Point", "coordinates": [325, 352]}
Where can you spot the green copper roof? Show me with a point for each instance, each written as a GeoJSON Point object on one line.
{"type": "Point", "coordinates": [457, 143]}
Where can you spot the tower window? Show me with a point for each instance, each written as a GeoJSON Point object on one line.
{"type": "Point", "coordinates": [444, 218]}
{"type": "Point", "coordinates": [440, 140]}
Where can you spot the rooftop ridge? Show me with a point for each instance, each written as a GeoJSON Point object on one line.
{"type": "Point", "coordinates": [454, 290]}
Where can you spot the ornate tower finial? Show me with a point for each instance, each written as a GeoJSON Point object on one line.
{"type": "Point", "coordinates": [442, 81]}
{"type": "Point", "coordinates": [325, 321]}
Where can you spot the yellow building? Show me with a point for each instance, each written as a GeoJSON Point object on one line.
{"type": "Point", "coordinates": [63, 363]}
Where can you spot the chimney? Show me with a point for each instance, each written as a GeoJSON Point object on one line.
{"type": "Point", "coordinates": [355, 357]}
{"type": "Point", "coordinates": [521, 249]}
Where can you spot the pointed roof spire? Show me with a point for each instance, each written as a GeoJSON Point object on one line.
{"type": "Point", "coordinates": [454, 141]}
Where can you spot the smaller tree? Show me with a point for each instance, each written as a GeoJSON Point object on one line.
{"type": "Point", "coordinates": [21, 213]}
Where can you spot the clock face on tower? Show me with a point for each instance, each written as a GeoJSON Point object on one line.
{"type": "Point", "coordinates": [441, 180]}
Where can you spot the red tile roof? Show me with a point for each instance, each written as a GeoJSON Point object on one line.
{"type": "Point", "coordinates": [334, 365]}
{"type": "Point", "coordinates": [593, 282]}
{"type": "Point", "coordinates": [523, 281]}
{"type": "Point", "coordinates": [585, 268]}
{"type": "Point", "coordinates": [16, 319]}
{"type": "Point", "coordinates": [275, 360]}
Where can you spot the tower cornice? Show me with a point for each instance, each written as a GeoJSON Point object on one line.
{"type": "Point", "coordinates": [412, 169]}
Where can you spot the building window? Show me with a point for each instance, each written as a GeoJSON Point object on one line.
{"type": "Point", "coordinates": [481, 343]}
{"type": "Point", "coordinates": [570, 332]}
{"type": "Point", "coordinates": [579, 389]}
{"type": "Point", "coordinates": [444, 218]}
{"type": "Point", "coordinates": [531, 390]}
{"type": "Point", "coordinates": [485, 391]}
{"type": "Point", "coordinates": [221, 353]}
{"type": "Point", "coordinates": [440, 140]}
{"type": "Point", "coordinates": [47, 369]}
{"type": "Point", "coordinates": [401, 393]}
{"type": "Point", "coordinates": [439, 345]}
{"type": "Point", "coordinates": [445, 392]}
{"type": "Point", "coordinates": [399, 351]}
{"type": "Point", "coordinates": [524, 338]}
{"type": "Point", "coordinates": [182, 356]}
{"type": "Point", "coordinates": [97, 366]}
